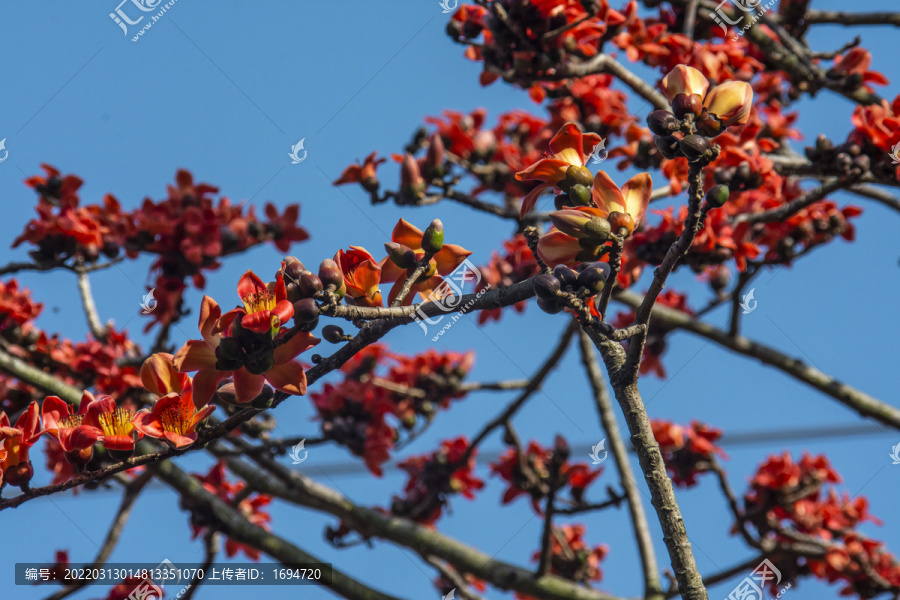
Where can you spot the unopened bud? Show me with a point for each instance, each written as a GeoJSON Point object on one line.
{"type": "Point", "coordinates": [305, 310]}
{"type": "Point", "coordinates": [579, 174]}
{"type": "Point", "coordinates": [687, 104]}
{"type": "Point", "coordinates": [566, 276]}
{"type": "Point", "coordinates": [717, 196]}
{"type": "Point", "coordinates": [546, 286]}
{"type": "Point", "coordinates": [668, 146]}
{"type": "Point", "coordinates": [549, 306]}
{"type": "Point", "coordinates": [580, 194]}
{"type": "Point", "coordinates": [694, 147]}
{"type": "Point", "coordinates": [332, 334]}
{"type": "Point", "coordinates": [309, 284]}
{"type": "Point", "coordinates": [598, 229]}
{"type": "Point", "coordinates": [662, 122]}
{"type": "Point", "coordinates": [621, 223]}
{"type": "Point", "coordinates": [330, 273]}
{"type": "Point", "coordinates": [433, 238]}
{"type": "Point", "coordinates": [401, 255]}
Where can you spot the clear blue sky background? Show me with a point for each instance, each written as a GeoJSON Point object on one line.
{"type": "Point", "coordinates": [224, 90]}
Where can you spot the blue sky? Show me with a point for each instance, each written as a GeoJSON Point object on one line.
{"type": "Point", "coordinates": [226, 91]}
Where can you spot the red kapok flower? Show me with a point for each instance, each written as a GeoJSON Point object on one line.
{"type": "Point", "coordinates": [569, 147]}
{"type": "Point", "coordinates": [264, 309]}
{"type": "Point", "coordinates": [445, 261]}
{"type": "Point", "coordinates": [15, 442]}
{"type": "Point", "coordinates": [361, 276]}
{"type": "Point", "coordinates": [174, 418]}
{"type": "Point", "coordinates": [285, 373]}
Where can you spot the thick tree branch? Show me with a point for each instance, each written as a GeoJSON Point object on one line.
{"type": "Point", "coordinates": [652, 587]}
{"type": "Point", "coordinates": [854, 399]}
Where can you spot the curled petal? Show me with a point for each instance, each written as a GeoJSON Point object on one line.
{"type": "Point", "coordinates": [606, 193]}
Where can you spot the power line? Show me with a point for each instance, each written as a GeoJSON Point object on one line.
{"type": "Point", "coordinates": [746, 438]}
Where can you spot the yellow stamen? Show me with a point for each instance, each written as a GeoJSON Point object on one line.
{"type": "Point", "coordinates": [259, 301]}
{"type": "Point", "coordinates": [71, 421]}
{"type": "Point", "coordinates": [176, 420]}
{"type": "Point", "coordinates": [117, 422]}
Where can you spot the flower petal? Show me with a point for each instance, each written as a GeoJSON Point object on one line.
{"type": "Point", "coordinates": [195, 355]}
{"type": "Point", "coordinates": [567, 144]}
{"type": "Point", "coordinates": [247, 385]}
{"type": "Point", "coordinates": [288, 377]}
{"type": "Point", "coordinates": [557, 248]}
{"type": "Point", "coordinates": [407, 234]}
{"type": "Point", "coordinates": [636, 193]}
{"type": "Point", "coordinates": [607, 194]}
{"type": "Point", "coordinates": [299, 343]}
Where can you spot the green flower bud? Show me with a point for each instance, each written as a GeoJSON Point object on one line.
{"type": "Point", "coordinates": [433, 238]}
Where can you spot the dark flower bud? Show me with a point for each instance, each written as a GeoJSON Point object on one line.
{"type": "Point", "coordinates": [593, 279]}
{"type": "Point", "coordinates": [229, 348]}
{"type": "Point", "coordinates": [433, 238]}
{"type": "Point", "coordinates": [823, 144]}
{"type": "Point", "coordinates": [561, 201]}
{"type": "Point", "coordinates": [119, 455]}
{"type": "Point", "coordinates": [546, 286]}
{"type": "Point", "coordinates": [577, 174]}
{"type": "Point", "coordinates": [549, 306]}
{"type": "Point", "coordinates": [580, 195]}
{"type": "Point", "coordinates": [330, 274]}
{"type": "Point", "coordinates": [668, 146]}
{"type": "Point", "coordinates": [717, 196]}
{"type": "Point", "coordinates": [265, 398]}
{"type": "Point", "coordinates": [401, 255]}
{"type": "Point", "coordinates": [566, 276]}
{"type": "Point", "coordinates": [309, 284]}
{"type": "Point", "coordinates": [694, 147]}
{"type": "Point", "coordinates": [332, 334]}
{"type": "Point", "coordinates": [227, 393]}
{"type": "Point", "coordinates": [19, 474]}
{"type": "Point", "coordinates": [662, 122]}
{"type": "Point", "coordinates": [292, 268]}
{"type": "Point", "coordinates": [305, 310]}
{"type": "Point", "coordinates": [258, 365]}
{"type": "Point", "coordinates": [708, 125]}
{"type": "Point", "coordinates": [687, 104]}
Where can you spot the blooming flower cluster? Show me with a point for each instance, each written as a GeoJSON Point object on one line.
{"type": "Point", "coordinates": [188, 232]}
{"type": "Point", "coordinates": [250, 506]}
{"type": "Point", "coordinates": [434, 477]}
{"type": "Point", "coordinates": [792, 501]}
{"type": "Point", "coordinates": [529, 473]}
{"type": "Point", "coordinates": [687, 451]}
{"type": "Point", "coordinates": [360, 411]}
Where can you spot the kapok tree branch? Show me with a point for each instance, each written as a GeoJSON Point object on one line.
{"type": "Point", "coordinates": [231, 523]}
{"type": "Point", "coordinates": [302, 491]}
{"type": "Point", "coordinates": [652, 587]}
{"type": "Point", "coordinates": [848, 19]}
{"type": "Point", "coordinates": [858, 401]}
{"type": "Point", "coordinates": [90, 308]}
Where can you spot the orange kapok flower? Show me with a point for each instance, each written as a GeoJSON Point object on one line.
{"type": "Point", "coordinates": [264, 309]}
{"type": "Point", "coordinates": [284, 373]}
{"type": "Point", "coordinates": [174, 418]}
{"type": "Point", "coordinates": [444, 262]}
{"type": "Point", "coordinates": [569, 147]}
{"type": "Point", "coordinates": [361, 276]}
{"type": "Point", "coordinates": [624, 209]}
{"type": "Point", "coordinates": [363, 174]}
{"type": "Point", "coordinates": [15, 442]}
